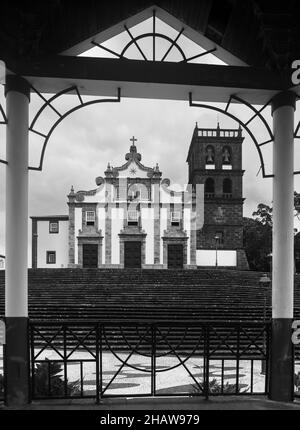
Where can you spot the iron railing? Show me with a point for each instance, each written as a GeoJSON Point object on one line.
{"type": "Point", "coordinates": [97, 359]}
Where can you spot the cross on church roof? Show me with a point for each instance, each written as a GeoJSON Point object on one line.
{"type": "Point", "coordinates": [133, 139]}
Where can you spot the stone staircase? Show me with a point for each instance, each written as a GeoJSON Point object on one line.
{"type": "Point", "coordinates": [156, 295]}
{"type": "Point", "coordinates": [56, 294]}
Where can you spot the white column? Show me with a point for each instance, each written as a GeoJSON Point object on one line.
{"type": "Point", "coordinates": [16, 204]}
{"type": "Point", "coordinates": [281, 383]}
{"type": "Point", "coordinates": [283, 218]}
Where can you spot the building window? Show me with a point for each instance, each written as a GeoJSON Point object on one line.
{"type": "Point", "coordinates": [175, 218]}
{"type": "Point", "coordinates": [90, 218]}
{"type": "Point", "coordinates": [51, 257]}
{"type": "Point", "coordinates": [53, 227]}
{"type": "Point", "coordinates": [132, 217]}
{"type": "Point", "coordinates": [227, 188]}
{"type": "Point", "coordinates": [219, 237]}
{"type": "Point", "coordinates": [138, 192]}
{"type": "Point", "coordinates": [209, 188]}
{"type": "Point", "coordinates": [133, 194]}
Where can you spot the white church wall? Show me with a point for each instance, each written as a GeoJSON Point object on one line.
{"type": "Point", "coordinates": [147, 215]}
{"type": "Point", "coordinates": [78, 226]}
{"type": "Point", "coordinates": [163, 227]}
{"type": "Point", "coordinates": [99, 197]}
{"type": "Point", "coordinates": [206, 257]}
{"type": "Point", "coordinates": [52, 242]}
{"type": "Point", "coordinates": [165, 197]}
{"type": "Point", "coordinates": [117, 215]}
{"type": "Point", "coordinates": [101, 226]}
{"type": "Point", "coordinates": [2, 263]}
{"type": "Point", "coordinates": [187, 228]}
{"type": "Point", "coordinates": [139, 173]}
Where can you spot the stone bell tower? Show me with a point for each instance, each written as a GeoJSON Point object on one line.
{"type": "Point", "coordinates": [215, 160]}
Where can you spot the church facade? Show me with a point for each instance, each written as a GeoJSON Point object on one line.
{"type": "Point", "coordinates": [136, 219]}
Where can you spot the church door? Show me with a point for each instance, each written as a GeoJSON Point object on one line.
{"type": "Point", "coordinates": [133, 255]}
{"type": "Point", "coordinates": [175, 256]}
{"type": "Point", "coordinates": [90, 256]}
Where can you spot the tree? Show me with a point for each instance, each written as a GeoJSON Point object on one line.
{"type": "Point", "coordinates": [258, 236]}
{"type": "Point", "coordinates": [263, 214]}
{"type": "Point", "coordinates": [258, 243]}
{"type": "Point", "coordinates": [48, 371]}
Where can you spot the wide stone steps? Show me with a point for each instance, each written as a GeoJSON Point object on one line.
{"type": "Point", "coordinates": [158, 294]}
{"type": "Point", "coordinates": [155, 295]}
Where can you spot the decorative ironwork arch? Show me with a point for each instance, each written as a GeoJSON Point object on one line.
{"type": "Point", "coordinates": [3, 122]}
{"type": "Point", "coordinates": [154, 36]}
{"type": "Point", "coordinates": [48, 103]}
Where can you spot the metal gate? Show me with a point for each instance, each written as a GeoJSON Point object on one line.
{"type": "Point", "coordinates": [95, 359]}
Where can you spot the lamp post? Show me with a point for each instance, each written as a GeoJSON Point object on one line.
{"type": "Point", "coordinates": [217, 241]}
{"type": "Point", "coordinates": [265, 283]}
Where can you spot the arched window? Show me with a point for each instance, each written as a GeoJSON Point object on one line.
{"type": "Point", "coordinates": [210, 155]}
{"type": "Point", "coordinates": [226, 156]}
{"type": "Point", "coordinates": [138, 191]}
{"type": "Point", "coordinates": [227, 188]}
{"type": "Point", "coordinates": [209, 188]}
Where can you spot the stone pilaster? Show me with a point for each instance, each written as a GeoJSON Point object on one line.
{"type": "Point", "coordinates": [108, 227]}
{"type": "Point", "coordinates": [71, 205]}
{"type": "Point", "coordinates": [34, 243]}
{"type": "Point", "coordinates": [242, 261]}
{"type": "Point", "coordinates": [193, 238]}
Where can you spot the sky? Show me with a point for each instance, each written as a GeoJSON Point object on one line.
{"type": "Point", "coordinates": [83, 144]}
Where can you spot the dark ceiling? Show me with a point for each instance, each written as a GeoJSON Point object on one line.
{"type": "Point", "coordinates": [262, 33]}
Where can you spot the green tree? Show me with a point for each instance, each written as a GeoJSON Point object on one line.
{"type": "Point", "coordinates": [258, 243]}
{"type": "Point", "coordinates": [52, 370]}
{"type": "Point", "coordinates": [258, 236]}
{"type": "Point", "coordinates": [263, 215]}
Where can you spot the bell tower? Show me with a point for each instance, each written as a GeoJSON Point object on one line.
{"type": "Point", "coordinates": [215, 160]}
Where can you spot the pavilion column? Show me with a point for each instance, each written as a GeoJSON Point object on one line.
{"type": "Point", "coordinates": [281, 358]}
{"type": "Point", "coordinates": [16, 360]}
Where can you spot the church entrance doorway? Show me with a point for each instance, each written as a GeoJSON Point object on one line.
{"type": "Point", "coordinates": [133, 255]}
{"type": "Point", "coordinates": [90, 256]}
{"type": "Point", "coordinates": [175, 256]}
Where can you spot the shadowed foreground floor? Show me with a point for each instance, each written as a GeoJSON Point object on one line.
{"type": "Point", "coordinates": [217, 403]}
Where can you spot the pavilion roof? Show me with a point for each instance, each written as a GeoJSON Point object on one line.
{"type": "Point", "coordinates": [261, 33]}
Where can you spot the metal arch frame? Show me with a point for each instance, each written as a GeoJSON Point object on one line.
{"type": "Point", "coordinates": [159, 355]}
{"type": "Point", "coordinates": [61, 116]}
{"type": "Point", "coordinates": [156, 35]}
{"type": "Point", "coordinates": [153, 35]}
{"type": "Point", "coordinates": [3, 122]}
{"type": "Point", "coordinates": [298, 126]}
{"type": "Point", "coordinates": [296, 136]}
{"type": "Point", "coordinates": [244, 125]}
{"type": "Point", "coordinates": [257, 113]}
